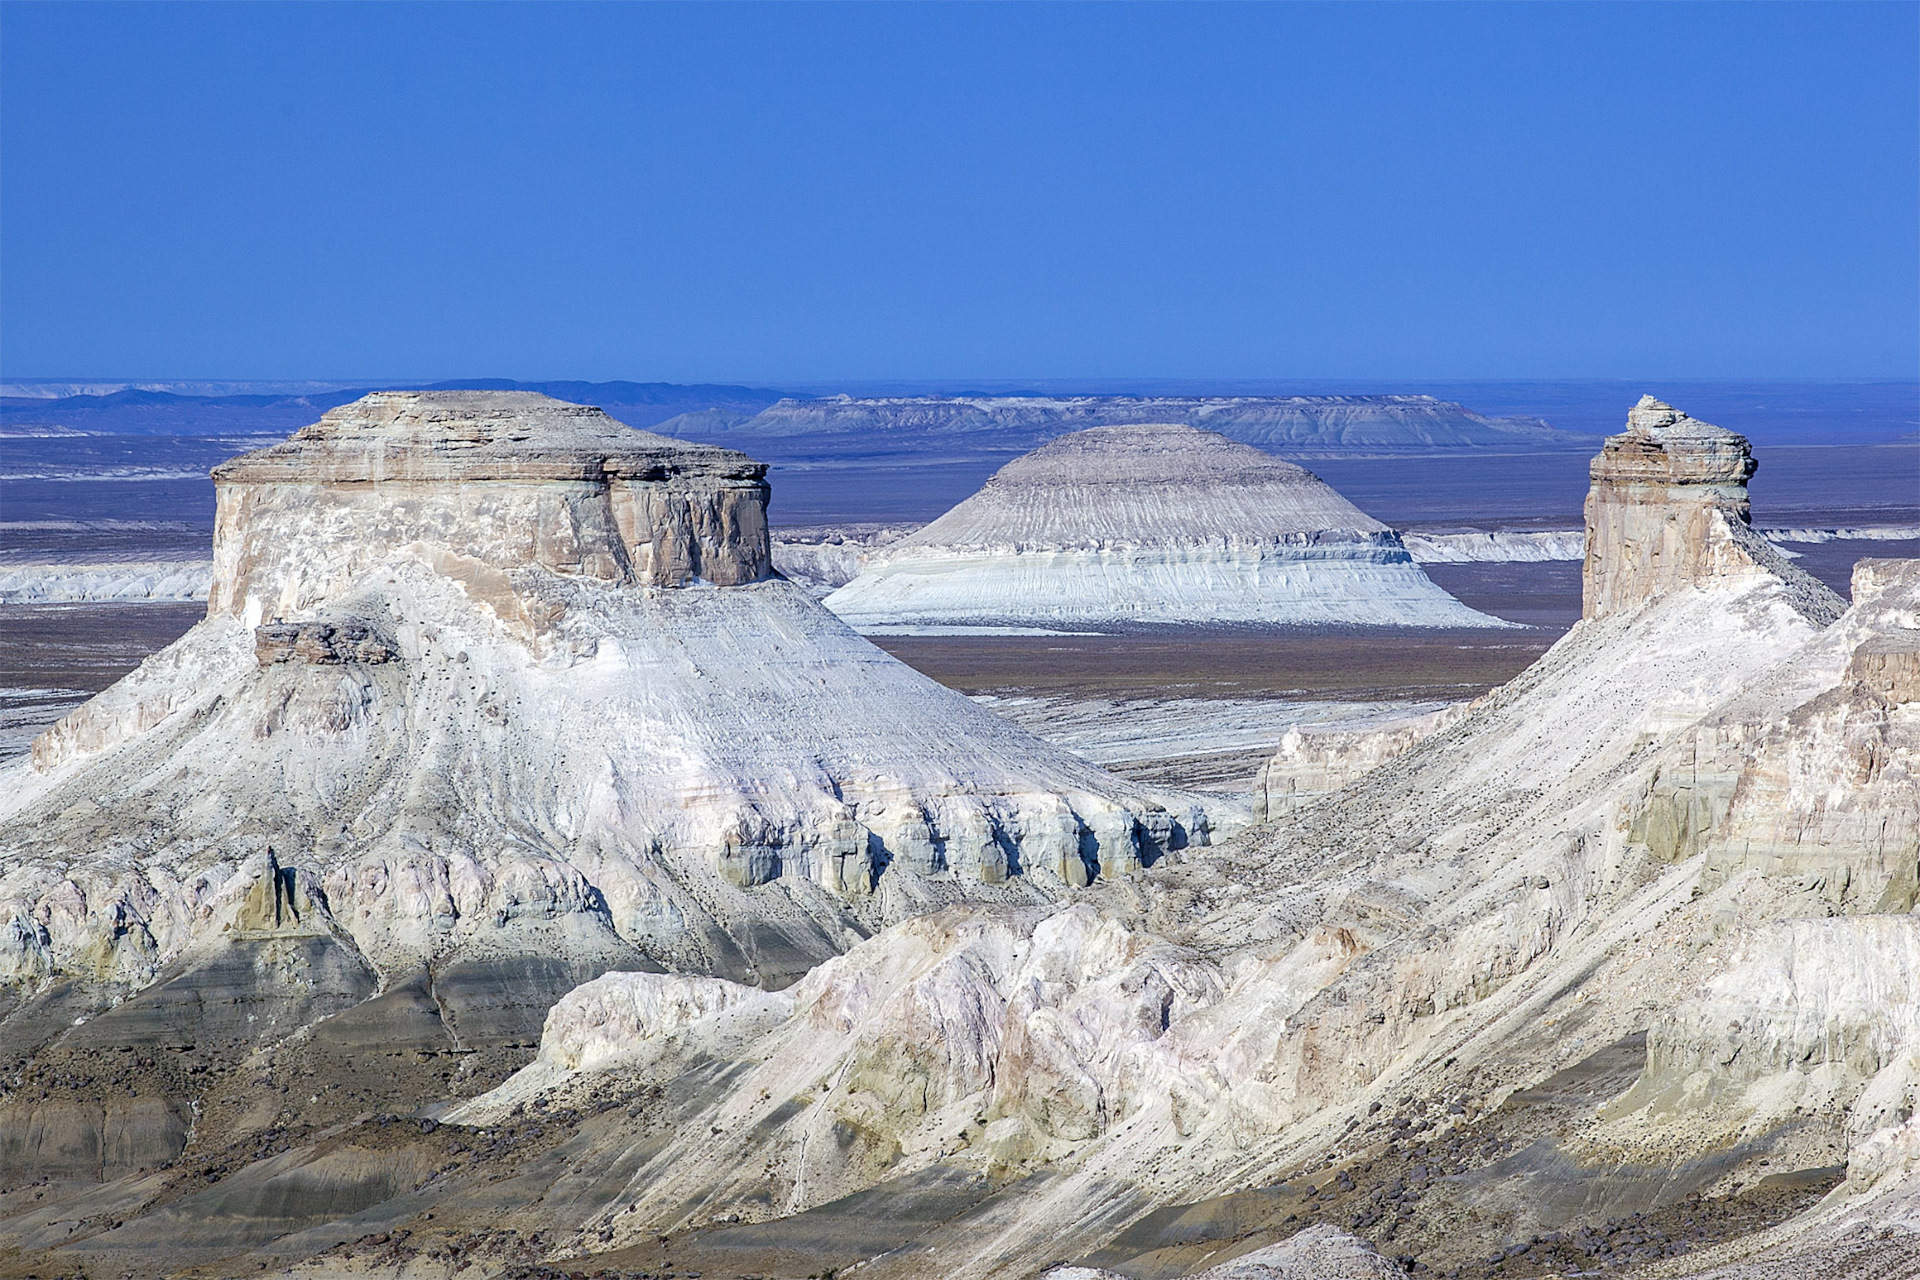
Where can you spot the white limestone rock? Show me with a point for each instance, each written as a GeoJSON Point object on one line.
{"type": "Point", "coordinates": [137, 580]}
{"type": "Point", "coordinates": [1669, 508]}
{"type": "Point", "coordinates": [483, 663]}
{"type": "Point", "coordinates": [1510, 547]}
{"type": "Point", "coordinates": [1314, 760]}
{"type": "Point", "coordinates": [1151, 524]}
{"type": "Point", "coordinates": [1293, 422]}
{"type": "Point", "coordinates": [1018, 1034]}
{"type": "Point", "coordinates": [1483, 906]}
{"type": "Point", "coordinates": [1500, 903]}
{"type": "Point", "coordinates": [1801, 1015]}
{"type": "Point", "coordinates": [822, 558]}
{"type": "Point", "coordinates": [1500, 547]}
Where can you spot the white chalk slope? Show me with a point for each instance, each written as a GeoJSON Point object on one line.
{"type": "Point", "coordinates": [444, 728]}
{"type": "Point", "coordinates": [1694, 818]}
{"type": "Point", "coordinates": [1150, 524]}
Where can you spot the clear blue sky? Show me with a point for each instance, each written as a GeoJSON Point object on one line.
{"type": "Point", "coordinates": [814, 192]}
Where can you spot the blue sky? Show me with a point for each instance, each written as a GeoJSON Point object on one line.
{"type": "Point", "coordinates": [804, 193]}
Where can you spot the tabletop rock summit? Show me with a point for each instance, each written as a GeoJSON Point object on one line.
{"type": "Point", "coordinates": [490, 674]}
{"type": "Point", "coordinates": [1154, 523]}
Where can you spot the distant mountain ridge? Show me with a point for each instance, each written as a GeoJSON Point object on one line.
{"type": "Point", "coordinates": [1013, 418]}
{"type": "Point", "coordinates": [761, 418]}
{"type": "Point", "coordinates": [1274, 422]}
{"type": "Point", "coordinates": [136, 410]}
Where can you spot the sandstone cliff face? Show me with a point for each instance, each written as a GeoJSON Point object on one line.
{"type": "Point", "coordinates": [1156, 524]}
{"type": "Point", "coordinates": [496, 675]}
{"type": "Point", "coordinates": [1669, 509]}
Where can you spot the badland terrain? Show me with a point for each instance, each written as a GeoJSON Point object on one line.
{"type": "Point", "coordinates": [513, 871]}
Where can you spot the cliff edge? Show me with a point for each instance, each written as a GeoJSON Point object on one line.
{"type": "Point", "coordinates": [1669, 508]}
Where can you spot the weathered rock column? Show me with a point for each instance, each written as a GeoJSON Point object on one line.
{"type": "Point", "coordinates": [1668, 509]}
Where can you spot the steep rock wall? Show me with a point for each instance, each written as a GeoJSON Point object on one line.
{"type": "Point", "coordinates": [508, 479]}
{"type": "Point", "coordinates": [1669, 509]}
{"type": "Point", "coordinates": [1814, 777]}
{"type": "Point", "coordinates": [1470, 915]}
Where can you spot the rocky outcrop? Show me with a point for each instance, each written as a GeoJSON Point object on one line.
{"type": "Point", "coordinates": [1415, 1010]}
{"type": "Point", "coordinates": [1813, 777]}
{"type": "Point", "coordinates": [1318, 1253]}
{"type": "Point", "coordinates": [1804, 1015]}
{"type": "Point", "coordinates": [326, 641]}
{"type": "Point", "coordinates": [1669, 509]}
{"type": "Point", "coordinates": [1499, 547]}
{"type": "Point", "coordinates": [506, 479]}
{"type": "Point", "coordinates": [1155, 524]}
{"type": "Point", "coordinates": [613, 1019]}
{"type": "Point", "coordinates": [501, 677]}
{"type": "Point", "coordinates": [137, 581]}
{"type": "Point", "coordinates": [823, 558]}
{"type": "Point", "coordinates": [1479, 915]}
{"type": "Point", "coordinates": [1021, 1035]}
{"type": "Point", "coordinates": [1315, 760]}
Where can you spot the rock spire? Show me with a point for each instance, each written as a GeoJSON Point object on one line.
{"type": "Point", "coordinates": [1669, 509]}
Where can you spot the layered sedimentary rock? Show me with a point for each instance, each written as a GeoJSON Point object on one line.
{"type": "Point", "coordinates": [1469, 1006]}
{"type": "Point", "coordinates": [1149, 524]}
{"type": "Point", "coordinates": [509, 480]}
{"type": "Point", "coordinates": [1668, 512]}
{"type": "Point", "coordinates": [147, 580]}
{"type": "Point", "coordinates": [824, 557]}
{"type": "Point", "coordinates": [488, 670]}
{"type": "Point", "coordinates": [1815, 773]}
{"type": "Point", "coordinates": [1463, 948]}
{"type": "Point", "coordinates": [1669, 509]}
{"type": "Point", "coordinates": [1317, 1253]}
{"type": "Point", "coordinates": [1807, 1016]}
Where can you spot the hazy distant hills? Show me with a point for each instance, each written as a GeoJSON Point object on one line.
{"type": "Point", "coordinates": [757, 417]}
{"type": "Point", "coordinates": [154, 411]}
{"type": "Point", "coordinates": [1288, 423]}
{"type": "Point", "coordinates": [1010, 419]}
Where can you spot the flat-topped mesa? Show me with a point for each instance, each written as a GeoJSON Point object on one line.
{"type": "Point", "coordinates": [1669, 509]}
{"type": "Point", "coordinates": [1147, 484]}
{"type": "Point", "coordinates": [1153, 523]}
{"type": "Point", "coordinates": [445, 678]}
{"type": "Point", "coordinates": [508, 479]}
